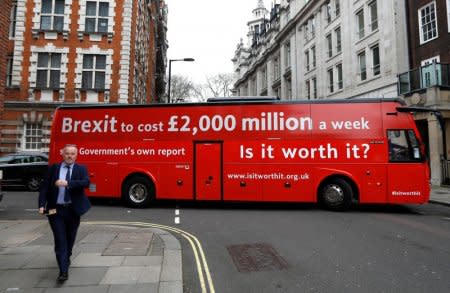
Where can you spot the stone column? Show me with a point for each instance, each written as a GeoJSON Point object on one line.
{"type": "Point", "coordinates": [436, 149]}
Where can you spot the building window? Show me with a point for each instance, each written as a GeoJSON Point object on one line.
{"type": "Point", "coordinates": [254, 87]}
{"type": "Point", "coordinates": [313, 55]}
{"type": "Point", "coordinates": [376, 60]}
{"type": "Point", "coordinates": [328, 16]}
{"type": "Point", "coordinates": [329, 46]}
{"type": "Point", "coordinates": [9, 70]}
{"type": "Point", "coordinates": [362, 66]}
{"type": "Point", "coordinates": [340, 83]}
{"type": "Point", "coordinates": [330, 80]}
{"type": "Point", "coordinates": [310, 29]}
{"type": "Point", "coordinates": [337, 33]}
{"type": "Point", "coordinates": [276, 69]}
{"type": "Point", "coordinates": [373, 15]}
{"type": "Point", "coordinates": [337, 6]}
{"type": "Point", "coordinates": [287, 56]}
{"type": "Point", "coordinates": [314, 87]}
{"type": "Point", "coordinates": [94, 67]}
{"type": "Point", "coordinates": [13, 20]}
{"type": "Point", "coordinates": [448, 15]}
{"type": "Point", "coordinates": [97, 17]}
{"type": "Point", "coordinates": [48, 71]}
{"type": "Point", "coordinates": [264, 78]}
{"type": "Point", "coordinates": [307, 60]}
{"type": "Point", "coordinates": [52, 15]}
{"type": "Point", "coordinates": [308, 89]}
{"type": "Point", "coordinates": [360, 23]}
{"type": "Point", "coordinates": [32, 137]}
{"type": "Point", "coordinates": [288, 88]}
{"type": "Point", "coordinates": [428, 23]}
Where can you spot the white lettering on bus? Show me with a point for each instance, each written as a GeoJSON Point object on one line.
{"type": "Point", "coordinates": [276, 121]}
{"type": "Point", "coordinates": [89, 126]}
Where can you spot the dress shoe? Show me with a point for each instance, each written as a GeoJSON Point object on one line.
{"type": "Point", "coordinates": [63, 277]}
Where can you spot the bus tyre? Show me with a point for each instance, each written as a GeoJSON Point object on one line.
{"type": "Point", "coordinates": [138, 192]}
{"type": "Point", "coordinates": [336, 194]}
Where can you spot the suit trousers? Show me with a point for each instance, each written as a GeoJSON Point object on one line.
{"type": "Point", "coordinates": [64, 225]}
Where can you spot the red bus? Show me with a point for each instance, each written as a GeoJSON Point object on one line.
{"type": "Point", "coordinates": [333, 152]}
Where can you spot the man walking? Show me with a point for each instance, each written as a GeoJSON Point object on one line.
{"type": "Point", "coordinates": [63, 200]}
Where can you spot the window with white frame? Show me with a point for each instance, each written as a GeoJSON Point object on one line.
{"type": "Point", "coordinates": [94, 69]}
{"type": "Point", "coordinates": [376, 59]}
{"type": "Point", "coordinates": [48, 71]}
{"type": "Point", "coordinates": [373, 15]}
{"type": "Point", "coordinates": [428, 23]}
{"type": "Point", "coordinates": [340, 82]}
{"type": "Point", "coordinates": [9, 70]}
{"type": "Point", "coordinates": [12, 20]}
{"type": "Point", "coordinates": [362, 66]}
{"type": "Point", "coordinates": [32, 137]}
{"type": "Point", "coordinates": [330, 80]}
{"type": "Point", "coordinates": [52, 15]}
{"type": "Point", "coordinates": [97, 13]}
{"type": "Point", "coordinates": [360, 23]}
{"type": "Point", "coordinates": [329, 46]}
{"type": "Point", "coordinates": [448, 15]}
{"type": "Point", "coordinates": [337, 33]}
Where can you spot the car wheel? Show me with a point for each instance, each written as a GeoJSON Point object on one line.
{"type": "Point", "coordinates": [138, 192]}
{"type": "Point", "coordinates": [34, 183]}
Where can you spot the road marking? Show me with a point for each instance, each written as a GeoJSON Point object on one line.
{"type": "Point", "coordinates": [177, 216]}
{"type": "Point", "coordinates": [199, 255]}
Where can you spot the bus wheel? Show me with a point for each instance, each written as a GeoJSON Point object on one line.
{"type": "Point", "coordinates": [336, 194]}
{"type": "Point", "coordinates": [138, 192]}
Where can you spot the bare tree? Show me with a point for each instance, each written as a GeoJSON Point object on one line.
{"type": "Point", "coordinates": [181, 89]}
{"type": "Point", "coordinates": [220, 85]}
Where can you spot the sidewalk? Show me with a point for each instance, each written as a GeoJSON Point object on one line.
{"type": "Point", "coordinates": [106, 258]}
{"type": "Point", "coordinates": [440, 195]}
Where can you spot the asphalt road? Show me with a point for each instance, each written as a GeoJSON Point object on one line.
{"type": "Point", "coordinates": [295, 248]}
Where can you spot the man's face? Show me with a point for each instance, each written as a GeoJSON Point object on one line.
{"type": "Point", "coordinates": [69, 154]}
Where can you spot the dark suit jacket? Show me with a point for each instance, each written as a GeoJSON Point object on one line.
{"type": "Point", "coordinates": [79, 180]}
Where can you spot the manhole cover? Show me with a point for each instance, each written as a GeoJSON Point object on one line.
{"type": "Point", "coordinates": [256, 257]}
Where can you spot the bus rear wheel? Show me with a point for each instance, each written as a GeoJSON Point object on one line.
{"type": "Point", "coordinates": [336, 194]}
{"type": "Point", "coordinates": [138, 192]}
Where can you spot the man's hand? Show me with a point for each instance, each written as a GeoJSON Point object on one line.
{"type": "Point", "coordinates": [61, 183]}
{"type": "Point", "coordinates": [41, 210]}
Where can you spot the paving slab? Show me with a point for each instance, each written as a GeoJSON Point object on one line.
{"type": "Point", "coordinates": [24, 290]}
{"type": "Point", "coordinates": [89, 247]}
{"type": "Point", "coordinates": [171, 268]}
{"type": "Point", "coordinates": [77, 277]}
{"type": "Point", "coordinates": [170, 242]}
{"type": "Point", "coordinates": [85, 289]}
{"type": "Point", "coordinates": [131, 275]}
{"type": "Point", "coordinates": [42, 260]}
{"type": "Point", "coordinates": [134, 237]}
{"type": "Point", "coordinates": [14, 261]}
{"type": "Point", "coordinates": [170, 287]}
{"type": "Point", "coordinates": [134, 288]}
{"type": "Point", "coordinates": [127, 248]}
{"type": "Point", "coordinates": [21, 278]}
{"type": "Point", "coordinates": [142, 260]}
{"type": "Point", "coordinates": [96, 260]}
{"type": "Point", "coordinates": [101, 237]}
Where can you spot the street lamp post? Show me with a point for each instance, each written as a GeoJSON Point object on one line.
{"type": "Point", "coordinates": [170, 73]}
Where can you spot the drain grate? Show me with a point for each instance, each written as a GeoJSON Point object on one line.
{"type": "Point", "coordinates": [256, 257]}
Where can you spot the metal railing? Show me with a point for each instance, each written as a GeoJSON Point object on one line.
{"type": "Point", "coordinates": [445, 166]}
{"type": "Point", "coordinates": [434, 74]}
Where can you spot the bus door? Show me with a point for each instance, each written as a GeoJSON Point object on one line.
{"type": "Point", "coordinates": [208, 170]}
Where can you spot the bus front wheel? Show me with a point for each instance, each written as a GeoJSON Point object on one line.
{"type": "Point", "coordinates": [336, 194]}
{"type": "Point", "coordinates": [138, 192]}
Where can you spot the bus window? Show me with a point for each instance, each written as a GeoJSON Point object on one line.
{"type": "Point", "coordinates": [403, 146]}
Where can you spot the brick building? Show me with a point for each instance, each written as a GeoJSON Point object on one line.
{"type": "Point", "coordinates": [78, 51]}
{"type": "Point", "coordinates": [427, 83]}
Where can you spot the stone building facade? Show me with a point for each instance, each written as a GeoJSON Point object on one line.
{"type": "Point", "coordinates": [323, 49]}
{"type": "Point", "coordinates": [78, 51]}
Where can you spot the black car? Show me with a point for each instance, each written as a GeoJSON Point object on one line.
{"type": "Point", "coordinates": [24, 170]}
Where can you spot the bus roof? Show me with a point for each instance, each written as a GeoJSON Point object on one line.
{"type": "Point", "coordinates": [236, 101]}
